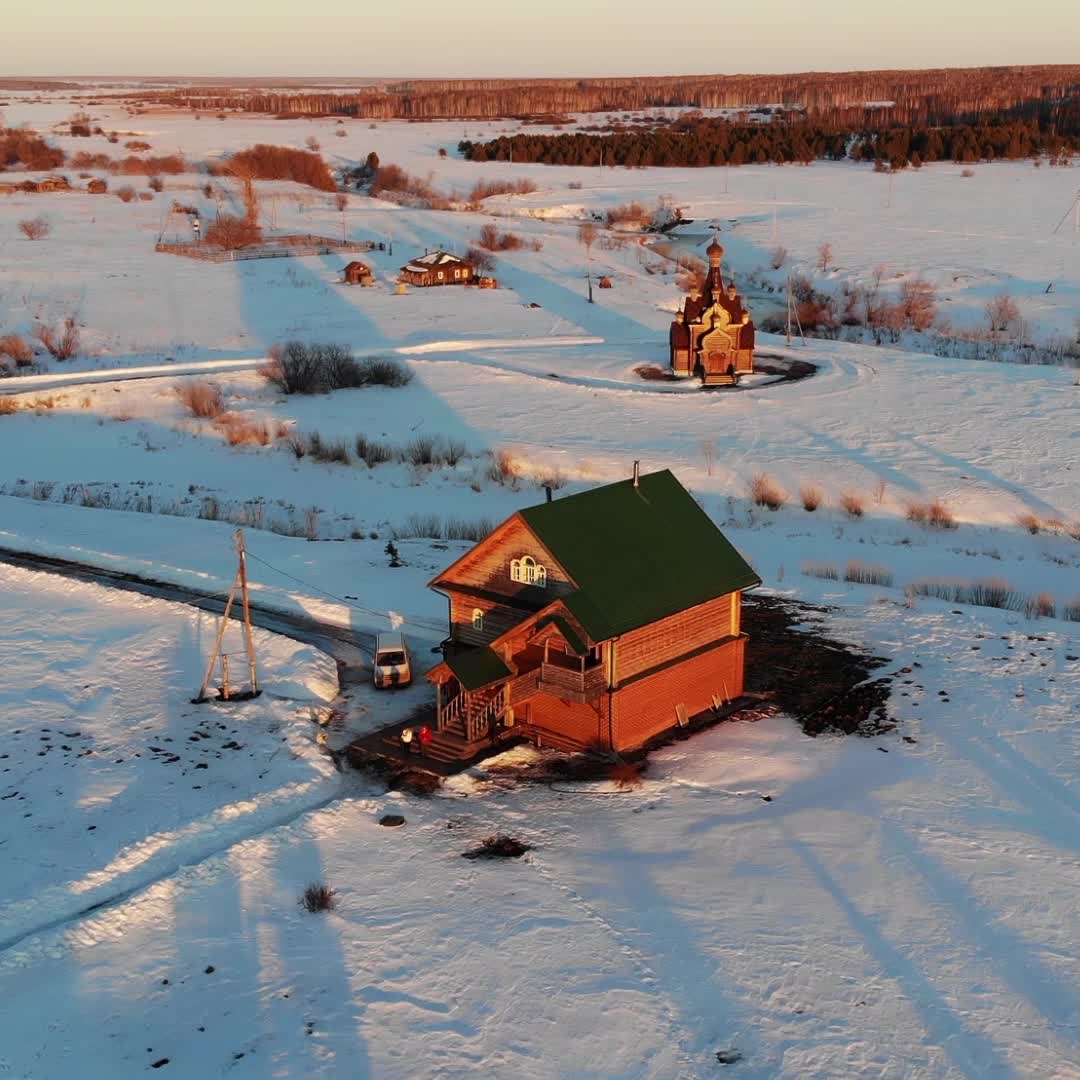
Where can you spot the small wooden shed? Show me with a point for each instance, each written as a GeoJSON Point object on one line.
{"type": "Point", "coordinates": [357, 273]}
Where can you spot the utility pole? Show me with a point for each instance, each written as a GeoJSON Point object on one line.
{"type": "Point", "coordinates": [240, 584]}
{"type": "Point", "coordinates": [789, 308]}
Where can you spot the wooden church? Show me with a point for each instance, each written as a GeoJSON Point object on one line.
{"type": "Point", "coordinates": [598, 619]}
{"type": "Point", "coordinates": [712, 337]}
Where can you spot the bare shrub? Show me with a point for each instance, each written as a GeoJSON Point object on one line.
{"type": "Point", "coordinates": [934, 514]}
{"type": "Point", "coordinates": [311, 523]}
{"type": "Point", "coordinates": [1002, 311]}
{"type": "Point", "coordinates": [918, 301]}
{"type": "Point", "coordinates": [126, 193]}
{"type": "Point", "coordinates": [341, 202]}
{"type": "Point", "coordinates": [34, 228]}
{"type": "Point", "coordinates": [60, 344]}
{"type": "Point", "coordinates": [853, 503]}
{"type": "Point", "coordinates": [232, 233]}
{"type": "Point", "coordinates": [811, 497]}
{"type": "Point", "coordinates": [708, 455]}
{"type": "Point", "coordinates": [8, 405]}
{"type": "Point", "coordinates": [493, 240]}
{"type": "Point", "coordinates": [825, 570]}
{"type": "Point", "coordinates": [504, 468]}
{"type": "Point", "coordinates": [384, 371]}
{"type": "Point", "coordinates": [480, 259]}
{"type": "Point", "coordinates": [329, 453]}
{"type": "Point", "coordinates": [498, 847]}
{"type": "Point", "coordinates": [171, 164]}
{"type": "Point", "coordinates": [421, 451]}
{"type": "Point", "coordinates": [21, 146]}
{"type": "Point", "coordinates": [778, 257]}
{"type": "Point", "coordinates": [155, 183]}
{"type": "Point", "coordinates": [1029, 522]}
{"type": "Point", "coordinates": [318, 897]}
{"type": "Point", "coordinates": [17, 349]}
{"type": "Point", "coordinates": [393, 180]}
{"type": "Point", "coordinates": [824, 257]}
{"type": "Point", "coordinates": [1073, 529]}
{"type": "Point", "coordinates": [202, 399]}
{"type": "Point", "coordinates": [1070, 611]}
{"type": "Point", "coordinates": [867, 574]}
{"type": "Point", "coordinates": [967, 174]}
{"type": "Point", "coordinates": [484, 189]}
{"type": "Point", "coordinates": [764, 491]}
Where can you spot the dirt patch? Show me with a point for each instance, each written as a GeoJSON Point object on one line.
{"type": "Point", "coordinates": [823, 683]}
{"type": "Point", "coordinates": [788, 370]}
{"type": "Point", "coordinates": [498, 847]}
{"type": "Point", "coordinates": [394, 774]}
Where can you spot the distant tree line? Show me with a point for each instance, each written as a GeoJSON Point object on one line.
{"type": "Point", "coordinates": [703, 142]}
{"type": "Point", "coordinates": [900, 97]}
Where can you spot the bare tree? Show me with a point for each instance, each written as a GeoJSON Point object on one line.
{"type": "Point", "coordinates": [34, 228]}
{"type": "Point", "coordinates": [708, 454]}
{"type": "Point", "coordinates": [341, 201]}
{"type": "Point", "coordinates": [779, 257]}
{"type": "Point", "coordinates": [824, 257]}
{"type": "Point", "coordinates": [586, 236]}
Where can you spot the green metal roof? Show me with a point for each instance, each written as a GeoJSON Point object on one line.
{"type": "Point", "coordinates": [637, 554]}
{"type": "Point", "coordinates": [477, 667]}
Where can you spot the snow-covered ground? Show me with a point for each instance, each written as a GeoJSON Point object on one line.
{"type": "Point", "coordinates": [900, 914]}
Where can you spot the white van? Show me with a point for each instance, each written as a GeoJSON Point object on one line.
{"type": "Point", "coordinates": [391, 667]}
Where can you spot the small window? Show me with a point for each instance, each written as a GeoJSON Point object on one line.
{"type": "Point", "coordinates": [477, 619]}
{"type": "Point", "coordinates": [466, 271]}
{"type": "Point", "coordinates": [440, 275]}
{"type": "Point", "coordinates": [457, 273]}
{"type": "Point", "coordinates": [527, 571]}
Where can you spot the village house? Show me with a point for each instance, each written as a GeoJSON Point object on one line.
{"type": "Point", "coordinates": [712, 337]}
{"type": "Point", "coordinates": [438, 268]}
{"type": "Point", "coordinates": [357, 273]}
{"type": "Point", "coordinates": [599, 619]}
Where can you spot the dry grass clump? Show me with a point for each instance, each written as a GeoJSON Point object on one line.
{"type": "Point", "coordinates": [1040, 606]}
{"type": "Point", "coordinates": [34, 228]}
{"type": "Point", "coordinates": [243, 431]}
{"type": "Point", "coordinates": [60, 344]}
{"type": "Point", "coordinates": [764, 491]}
{"type": "Point", "coordinates": [498, 847]}
{"type": "Point", "coordinates": [631, 213]}
{"type": "Point", "coordinates": [8, 405]}
{"type": "Point", "coordinates": [318, 897]}
{"type": "Point", "coordinates": [201, 398]}
{"type": "Point", "coordinates": [867, 574]}
{"type": "Point", "coordinates": [853, 503]}
{"type": "Point", "coordinates": [1029, 522]}
{"type": "Point", "coordinates": [824, 570]}
{"type": "Point", "coordinates": [486, 188]}
{"type": "Point", "coordinates": [934, 514]}
{"type": "Point", "coordinates": [985, 592]}
{"type": "Point", "coordinates": [372, 452]}
{"type": "Point", "coordinates": [811, 497]}
{"type": "Point", "coordinates": [493, 240]}
{"type": "Point", "coordinates": [17, 349]}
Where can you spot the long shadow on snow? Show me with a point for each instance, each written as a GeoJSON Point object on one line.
{"type": "Point", "coordinates": [973, 1056]}
{"type": "Point", "coordinates": [994, 942]}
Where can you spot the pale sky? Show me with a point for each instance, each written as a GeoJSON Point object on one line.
{"type": "Point", "coordinates": [477, 38]}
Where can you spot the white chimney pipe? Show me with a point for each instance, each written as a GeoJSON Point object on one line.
{"type": "Point", "coordinates": [637, 472]}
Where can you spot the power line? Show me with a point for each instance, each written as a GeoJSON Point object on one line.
{"type": "Point", "coordinates": [410, 620]}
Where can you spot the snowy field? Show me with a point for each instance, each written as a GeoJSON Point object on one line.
{"type": "Point", "coordinates": [904, 907]}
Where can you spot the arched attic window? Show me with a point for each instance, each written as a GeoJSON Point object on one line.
{"type": "Point", "coordinates": [528, 571]}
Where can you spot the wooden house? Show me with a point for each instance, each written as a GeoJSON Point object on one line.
{"type": "Point", "coordinates": [357, 273]}
{"type": "Point", "coordinates": [438, 268]}
{"type": "Point", "coordinates": [52, 183]}
{"type": "Point", "coordinates": [712, 337]}
{"type": "Point", "coordinates": [602, 618]}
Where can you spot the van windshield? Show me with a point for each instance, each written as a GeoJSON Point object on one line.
{"type": "Point", "coordinates": [385, 659]}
